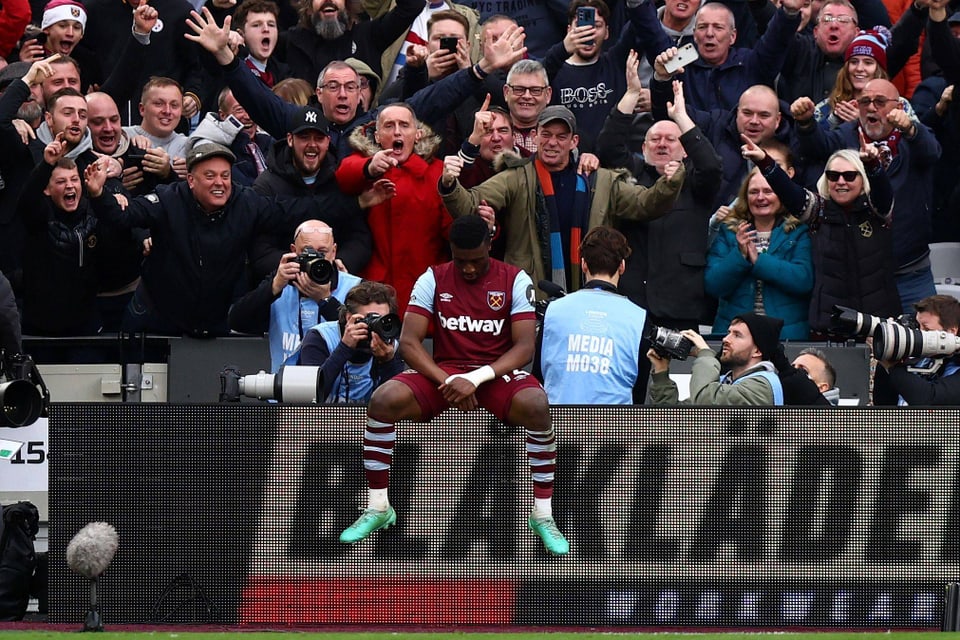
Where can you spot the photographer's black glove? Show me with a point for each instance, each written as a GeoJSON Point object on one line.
{"type": "Point", "coordinates": [798, 388]}
{"type": "Point", "coordinates": [780, 361]}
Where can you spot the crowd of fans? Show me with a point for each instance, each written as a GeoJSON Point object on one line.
{"type": "Point", "coordinates": [158, 157]}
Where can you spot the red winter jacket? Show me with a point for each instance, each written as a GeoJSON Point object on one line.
{"type": "Point", "coordinates": [410, 230]}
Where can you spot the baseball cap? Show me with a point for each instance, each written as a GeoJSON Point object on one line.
{"type": "Point", "coordinates": [307, 118]}
{"type": "Point", "coordinates": [364, 70]}
{"type": "Point", "coordinates": [13, 71]}
{"type": "Point", "coordinates": [954, 19]}
{"type": "Point", "coordinates": [204, 150]}
{"type": "Point", "coordinates": [558, 112]}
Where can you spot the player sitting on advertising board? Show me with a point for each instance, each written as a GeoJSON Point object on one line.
{"type": "Point", "coordinates": [484, 334]}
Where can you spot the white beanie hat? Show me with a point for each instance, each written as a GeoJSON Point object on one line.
{"type": "Point", "coordinates": [58, 10]}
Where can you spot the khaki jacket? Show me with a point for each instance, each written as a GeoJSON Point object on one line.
{"type": "Point", "coordinates": [513, 192]}
{"type": "Point", "coordinates": [708, 388]}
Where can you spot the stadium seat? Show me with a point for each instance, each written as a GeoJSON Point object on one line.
{"type": "Point", "coordinates": [949, 289]}
{"type": "Point", "coordinates": [945, 262]}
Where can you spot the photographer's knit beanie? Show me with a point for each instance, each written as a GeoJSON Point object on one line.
{"type": "Point", "coordinates": [765, 331]}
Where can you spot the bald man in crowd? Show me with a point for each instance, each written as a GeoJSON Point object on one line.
{"type": "Point", "coordinates": [293, 299]}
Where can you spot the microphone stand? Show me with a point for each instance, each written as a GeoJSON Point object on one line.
{"type": "Point", "coordinates": [92, 621]}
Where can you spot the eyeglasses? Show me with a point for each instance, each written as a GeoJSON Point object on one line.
{"type": "Point", "coordinates": [878, 101]}
{"type": "Point", "coordinates": [841, 19]}
{"type": "Point", "coordinates": [848, 176]}
{"type": "Point", "coordinates": [518, 91]}
{"type": "Point", "coordinates": [333, 86]}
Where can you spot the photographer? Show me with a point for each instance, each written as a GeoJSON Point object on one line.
{"type": "Point", "coordinates": [818, 369]}
{"type": "Point", "coordinates": [352, 353]}
{"type": "Point", "coordinates": [591, 338]}
{"type": "Point", "coordinates": [300, 294]}
{"type": "Point", "coordinates": [924, 382]}
{"type": "Point", "coordinates": [752, 341]}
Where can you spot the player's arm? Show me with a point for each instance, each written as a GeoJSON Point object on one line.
{"type": "Point", "coordinates": [460, 389]}
{"type": "Point", "coordinates": [523, 328]}
{"type": "Point", "coordinates": [412, 335]}
{"type": "Point", "coordinates": [523, 333]}
{"type": "Point", "coordinates": [416, 323]}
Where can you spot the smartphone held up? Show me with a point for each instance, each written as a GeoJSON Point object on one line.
{"type": "Point", "coordinates": [685, 55]}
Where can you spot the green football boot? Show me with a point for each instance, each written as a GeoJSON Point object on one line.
{"type": "Point", "coordinates": [369, 521]}
{"type": "Point", "coordinates": [553, 540]}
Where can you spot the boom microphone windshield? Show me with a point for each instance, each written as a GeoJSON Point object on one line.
{"type": "Point", "coordinates": [92, 549]}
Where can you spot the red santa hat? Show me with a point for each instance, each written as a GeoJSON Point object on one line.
{"type": "Point", "coordinates": [872, 43]}
{"type": "Point", "coordinates": [57, 10]}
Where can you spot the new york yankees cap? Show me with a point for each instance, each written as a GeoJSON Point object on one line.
{"type": "Point", "coordinates": [307, 118]}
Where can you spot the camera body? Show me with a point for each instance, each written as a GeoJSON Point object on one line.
{"type": "Point", "coordinates": [387, 327]}
{"type": "Point", "coordinates": [553, 291]}
{"type": "Point", "coordinates": [669, 343]}
{"type": "Point", "coordinates": [315, 264]}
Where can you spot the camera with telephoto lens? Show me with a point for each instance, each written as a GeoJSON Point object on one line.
{"type": "Point", "coordinates": [315, 264]}
{"type": "Point", "coordinates": [850, 322]}
{"type": "Point", "coordinates": [23, 395]}
{"type": "Point", "coordinates": [893, 341]}
{"type": "Point", "coordinates": [387, 327]}
{"type": "Point", "coordinates": [669, 343]}
{"type": "Point", "coordinates": [291, 383]}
